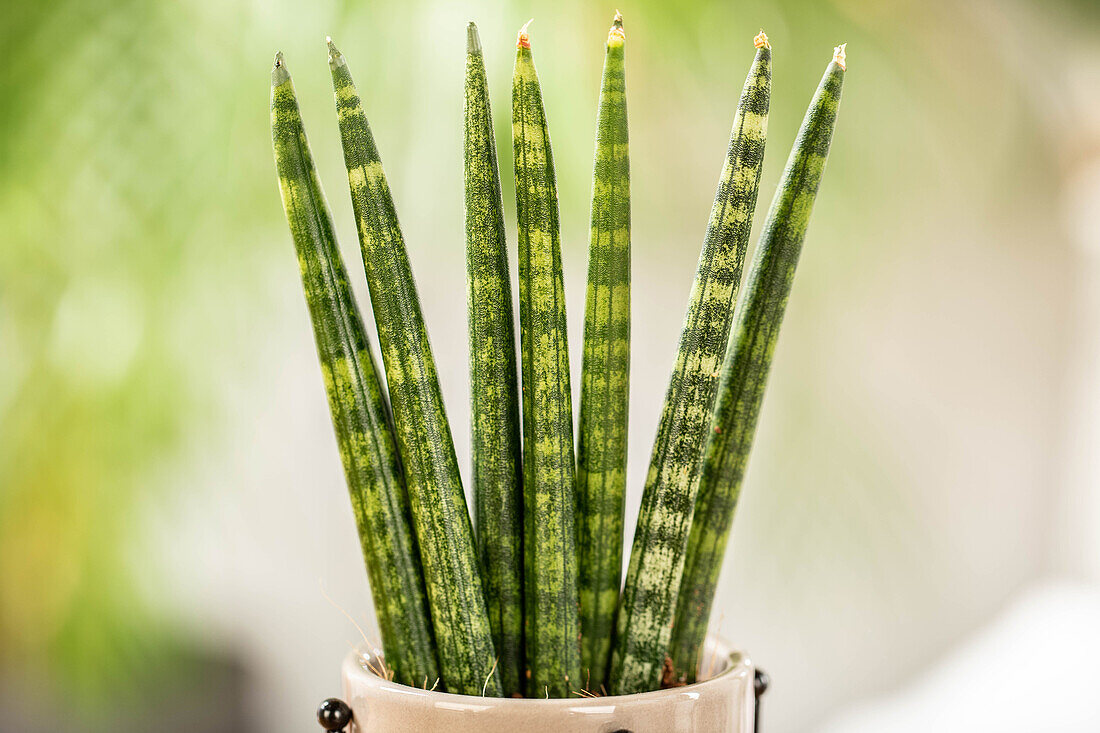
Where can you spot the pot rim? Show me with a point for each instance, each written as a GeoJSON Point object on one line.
{"type": "Point", "coordinates": [737, 663]}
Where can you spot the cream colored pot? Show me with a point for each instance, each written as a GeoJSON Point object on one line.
{"type": "Point", "coordinates": [723, 703]}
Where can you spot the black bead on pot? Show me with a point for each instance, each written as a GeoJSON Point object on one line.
{"type": "Point", "coordinates": [334, 715]}
{"type": "Point", "coordinates": [760, 682]}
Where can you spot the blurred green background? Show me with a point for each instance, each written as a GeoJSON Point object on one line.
{"type": "Point", "coordinates": [173, 520]}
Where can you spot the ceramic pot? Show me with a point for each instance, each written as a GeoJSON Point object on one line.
{"type": "Point", "coordinates": [723, 703]}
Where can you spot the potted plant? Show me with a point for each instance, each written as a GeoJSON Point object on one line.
{"type": "Point", "coordinates": [530, 603]}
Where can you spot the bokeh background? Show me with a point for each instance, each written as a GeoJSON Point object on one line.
{"type": "Point", "coordinates": [917, 547]}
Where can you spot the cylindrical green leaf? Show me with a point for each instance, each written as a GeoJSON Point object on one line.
{"type": "Point", "coordinates": [443, 529]}
{"type": "Point", "coordinates": [550, 600]}
{"type": "Point", "coordinates": [605, 377]}
{"type": "Point", "coordinates": [644, 622]}
{"type": "Point", "coordinates": [360, 415]}
{"type": "Point", "coordinates": [745, 371]}
{"type": "Point", "coordinates": [494, 394]}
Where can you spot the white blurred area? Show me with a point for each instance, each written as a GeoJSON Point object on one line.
{"type": "Point", "coordinates": [918, 546]}
{"type": "Point", "coordinates": [1032, 667]}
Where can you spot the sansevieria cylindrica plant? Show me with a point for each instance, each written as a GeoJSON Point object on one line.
{"type": "Point", "coordinates": [605, 374]}
{"type": "Point", "coordinates": [657, 557]}
{"type": "Point", "coordinates": [444, 531]}
{"type": "Point", "coordinates": [532, 605]}
{"type": "Point", "coordinates": [549, 469]}
{"type": "Point", "coordinates": [360, 413]}
{"type": "Point", "coordinates": [494, 389]}
{"type": "Point", "coordinates": [745, 368]}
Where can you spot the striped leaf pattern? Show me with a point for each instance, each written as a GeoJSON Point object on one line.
{"type": "Point", "coordinates": [494, 395]}
{"type": "Point", "coordinates": [550, 560]}
{"type": "Point", "coordinates": [644, 623]}
{"type": "Point", "coordinates": [360, 415]}
{"type": "Point", "coordinates": [745, 371]}
{"type": "Point", "coordinates": [443, 529]}
{"type": "Point", "coordinates": [605, 377]}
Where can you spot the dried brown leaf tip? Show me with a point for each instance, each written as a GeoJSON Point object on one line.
{"type": "Point", "coordinates": [761, 40]}
{"type": "Point", "coordinates": [840, 57]}
{"type": "Point", "coordinates": [524, 41]}
{"type": "Point", "coordinates": [616, 33]}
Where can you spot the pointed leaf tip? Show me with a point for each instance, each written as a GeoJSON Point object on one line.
{"type": "Point", "coordinates": [279, 74]}
{"type": "Point", "coordinates": [335, 58]}
{"type": "Point", "coordinates": [473, 40]}
{"type": "Point", "coordinates": [761, 40]}
{"type": "Point", "coordinates": [841, 57]}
